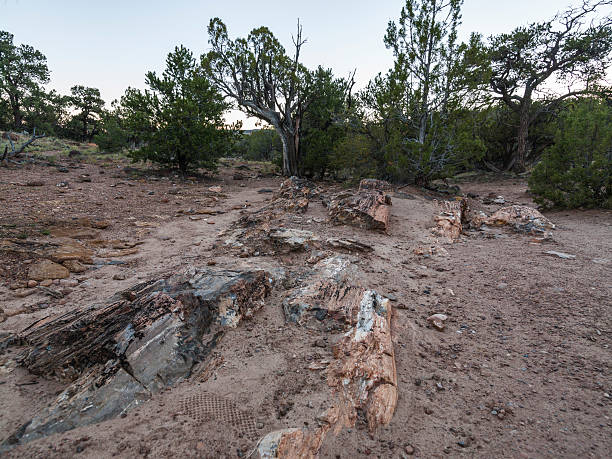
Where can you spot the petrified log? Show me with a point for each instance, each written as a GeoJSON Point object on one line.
{"type": "Point", "coordinates": [362, 374]}
{"type": "Point", "coordinates": [295, 194]}
{"type": "Point", "coordinates": [522, 219]}
{"type": "Point", "coordinates": [143, 339]}
{"type": "Point", "coordinates": [374, 184]}
{"type": "Point", "coordinates": [364, 209]}
{"type": "Point", "coordinates": [350, 245]}
{"type": "Point", "coordinates": [449, 223]}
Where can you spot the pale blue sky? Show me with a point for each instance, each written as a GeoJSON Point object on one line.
{"type": "Point", "coordinates": [110, 44]}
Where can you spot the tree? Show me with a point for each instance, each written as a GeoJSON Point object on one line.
{"type": "Point", "coordinates": [577, 170]}
{"type": "Point", "coordinates": [179, 119]}
{"type": "Point", "coordinates": [46, 111]}
{"type": "Point", "coordinates": [323, 124]}
{"type": "Point", "coordinates": [258, 74]}
{"type": "Point", "coordinates": [572, 48]}
{"type": "Point", "coordinates": [261, 145]}
{"type": "Point", "coordinates": [23, 70]}
{"type": "Point", "coordinates": [413, 108]}
{"type": "Point", "coordinates": [90, 106]}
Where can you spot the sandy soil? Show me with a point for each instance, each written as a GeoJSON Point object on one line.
{"type": "Point", "coordinates": [521, 370]}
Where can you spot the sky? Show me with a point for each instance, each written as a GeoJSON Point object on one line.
{"type": "Point", "coordinates": [111, 44]}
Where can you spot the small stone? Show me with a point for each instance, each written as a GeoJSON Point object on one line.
{"type": "Point", "coordinates": [32, 283]}
{"type": "Point", "coordinates": [502, 285]}
{"type": "Point", "coordinates": [409, 450]}
{"type": "Point", "coordinates": [119, 276]}
{"type": "Point", "coordinates": [428, 410]}
{"type": "Point", "coordinates": [211, 262]}
{"type": "Point", "coordinates": [437, 320]}
{"type": "Point", "coordinates": [46, 283]}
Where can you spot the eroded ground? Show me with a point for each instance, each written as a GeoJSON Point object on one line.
{"type": "Point", "coordinates": [521, 369]}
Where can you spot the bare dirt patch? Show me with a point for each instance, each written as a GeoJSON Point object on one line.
{"type": "Point", "coordinates": [522, 367]}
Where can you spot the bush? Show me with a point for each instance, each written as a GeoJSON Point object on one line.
{"type": "Point", "coordinates": [577, 170]}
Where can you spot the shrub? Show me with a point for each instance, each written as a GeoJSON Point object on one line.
{"type": "Point", "coordinates": [577, 170]}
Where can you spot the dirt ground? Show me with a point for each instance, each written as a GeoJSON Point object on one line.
{"type": "Point", "coordinates": [522, 369]}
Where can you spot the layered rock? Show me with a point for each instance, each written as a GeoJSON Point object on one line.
{"type": "Point", "coordinates": [364, 209]}
{"type": "Point", "coordinates": [362, 375]}
{"type": "Point", "coordinates": [449, 223]}
{"type": "Point", "coordinates": [522, 219]}
{"type": "Point", "coordinates": [141, 340]}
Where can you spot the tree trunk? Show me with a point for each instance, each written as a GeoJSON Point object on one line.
{"type": "Point", "coordinates": [290, 154]}
{"type": "Point", "coordinates": [523, 133]}
{"type": "Point", "coordinates": [17, 116]}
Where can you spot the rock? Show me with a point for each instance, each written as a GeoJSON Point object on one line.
{"type": "Point", "coordinates": [265, 190]}
{"type": "Point", "coordinates": [46, 269]}
{"type": "Point", "coordinates": [295, 194]}
{"type": "Point", "coordinates": [70, 250]}
{"type": "Point", "coordinates": [142, 340]}
{"type": "Point", "coordinates": [46, 283]}
{"type": "Point", "coordinates": [100, 224]}
{"type": "Point", "coordinates": [564, 256]}
{"type": "Point", "coordinates": [437, 320]}
{"type": "Point", "coordinates": [32, 283]}
{"type": "Point", "coordinates": [449, 223]}
{"type": "Point", "coordinates": [74, 153]}
{"type": "Point", "coordinates": [409, 450]}
{"type": "Point", "coordinates": [350, 245]}
{"type": "Point", "coordinates": [362, 374]}
{"type": "Point", "coordinates": [35, 183]}
{"type": "Point", "coordinates": [119, 276]}
{"type": "Point", "coordinates": [374, 184]}
{"type": "Point", "coordinates": [69, 282]}
{"type": "Point", "coordinates": [522, 219]}
{"type": "Point", "coordinates": [215, 189]}
{"type": "Point", "coordinates": [22, 293]}
{"type": "Point", "coordinates": [365, 209]}
{"type": "Point", "coordinates": [118, 253]}
{"type": "Point", "coordinates": [499, 200]}
{"type": "Point", "coordinates": [75, 266]}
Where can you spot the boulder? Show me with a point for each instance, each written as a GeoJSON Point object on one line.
{"type": "Point", "coordinates": [522, 219]}
{"type": "Point", "coordinates": [46, 269]}
{"type": "Point", "coordinates": [374, 184]}
{"type": "Point", "coordinates": [75, 266]}
{"type": "Point", "coordinates": [364, 209]}
{"type": "Point", "coordinates": [70, 250]}
{"type": "Point", "coordinates": [449, 224]}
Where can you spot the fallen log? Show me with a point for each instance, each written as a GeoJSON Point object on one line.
{"type": "Point", "coordinates": [364, 209]}
{"type": "Point", "coordinates": [140, 341]}
{"type": "Point", "coordinates": [449, 223]}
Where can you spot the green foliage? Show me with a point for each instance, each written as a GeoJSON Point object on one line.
{"type": "Point", "coordinates": [577, 170]}
{"type": "Point", "coordinates": [112, 136]}
{"type": "Point", "coordinates": [179, 120]}
{"type": "Point", "coordinates": [260, 145]}
{"type": "Point", "coordinates": [574, 48]}
{"type": "Point", "coordinates": [89, 107]}
{"type": "Point", "coordinates": [322, 125]}
{"type": "Point", "coordinates": [23, 70]}
{"type": "Point", "coordinates": [414, 116]}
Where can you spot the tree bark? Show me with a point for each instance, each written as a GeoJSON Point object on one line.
{"type": "Point", "coordinates": [523, 133]}
{"type": "Point", "coordinates": [290, 153]}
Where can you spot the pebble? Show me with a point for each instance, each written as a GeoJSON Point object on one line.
{"type": "Point", "coordinates": [32, 283]}
{"type": "Point", "coordinates": [119, 276]}
{"type": "Point", "coordinates": [409, 449]}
